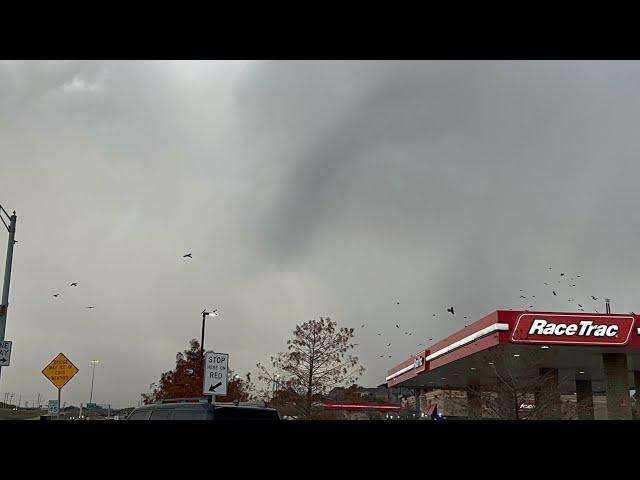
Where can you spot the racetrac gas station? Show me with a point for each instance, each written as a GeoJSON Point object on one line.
{"type": "Point", "coordinates": [514, 361]}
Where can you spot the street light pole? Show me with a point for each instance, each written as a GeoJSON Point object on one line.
{"type": "Point", "coordinates": [92, 376]}
{"type": "Point", "coordinates": [7, 270]}
{"type": "Point", "coordinates": [204, 367]}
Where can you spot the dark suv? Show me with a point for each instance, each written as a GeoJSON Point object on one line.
{"type": "Point", "coordinates": [200, 409]}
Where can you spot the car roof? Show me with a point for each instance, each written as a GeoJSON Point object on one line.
{"type": "Point", "coordinates": [201, 405]}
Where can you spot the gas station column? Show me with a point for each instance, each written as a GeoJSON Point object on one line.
{"type": "Point", "coordinates": [505, 401]}
{"type": "Point", "coordinates": [636, 384]}
{"type": "Point", "coordinates": [617, 381]}
{"type": "Point", "coordinates": [422, 400]}
{"type": "Point", "coordinates": [548, 395]}
{"type": "Point", "coordinates": [474, 401]}
{"type": "Point", "coordinates": [584, 400]}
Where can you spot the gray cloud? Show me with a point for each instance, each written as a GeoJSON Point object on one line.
{"type": "Point", "coordinates": [303, 189]}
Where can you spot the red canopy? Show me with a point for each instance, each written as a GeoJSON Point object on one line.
{"type": "Point", "coordinates": [362, 406]}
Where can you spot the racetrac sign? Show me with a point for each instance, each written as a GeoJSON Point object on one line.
{"type": "Point", "coordinates": [573, 329]}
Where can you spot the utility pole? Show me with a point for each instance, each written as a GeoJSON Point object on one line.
{"type": "Point", "coordinates": [7, 270]}
{"type": "Point", "coordinates": [92, 376]}
{"type": "Point", "coordinates": [607, 305]}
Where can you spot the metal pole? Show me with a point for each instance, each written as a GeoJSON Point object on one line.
{"type": "Point", "coordinates": [92, 375]}
{"type": "Point", "coordinates": [7, 277]}
{"type": "Point", "coordinates": [204, 315]}
{"type": "Point", "coordinates": [607, 305]}
{"type": "Point", "coordinates": [59, 405]}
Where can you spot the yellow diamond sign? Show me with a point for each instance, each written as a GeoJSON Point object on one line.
{"type": "Point", "coordinates": [60, 371]}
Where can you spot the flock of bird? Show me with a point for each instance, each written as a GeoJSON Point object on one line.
{"type": "Point", "coordinates": [450, 310]}
{"type": "Point", "coordinates": [554, 287]}
{"type": "Point", "coordinates": [75, 284]}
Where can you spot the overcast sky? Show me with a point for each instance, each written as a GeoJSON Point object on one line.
{"type": "Point", "coordinates": [304, 189]}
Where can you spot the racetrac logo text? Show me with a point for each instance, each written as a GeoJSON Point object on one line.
{"type": "Point", "coordinates": [607, 330]}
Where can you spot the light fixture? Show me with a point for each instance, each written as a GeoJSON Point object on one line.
{"type": "Point", "coordinates": [516, 354]}
{"type": "Point", "coordinates": [490, 363]}
{"type": "Point", "coordinates": [544, 347]}
{"type": "Point", "coordinates": [473, 368]}
{"type": "Point", "coordinates": [581, 372]}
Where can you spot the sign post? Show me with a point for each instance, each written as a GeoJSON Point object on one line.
{"type": "Point", "coordinates": [216, 370]}
{"type": "Point", "coordinates": [59, 372]}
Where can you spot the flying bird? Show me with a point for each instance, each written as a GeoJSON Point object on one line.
{"type": "Point", "coordinates": [390, 356]}
{"type": "Point", "coordinates": [546, 284]}
{"type": "Point", "coordinates": [562, 274]}
{"type": "Point", "coordinates": [593, 297]}
{"type": "Point", "coordinates": [388, 344]}
{"type": "Point", "coordinates": [362, 326]}
{"type": "Point", "coordinates": [91, 307]}
{"type": "Point", "coordinates": [465, 317]}
{"type": "Point", "coordinates": [431, 339]}
{"type": "Point", "coordinates": [397, 303]}
{"type": "Point", "coordinates": [397, 326]}
{"type": "Point", "coordinates": [578, 276]}
{"type": "Point", "coordinates": [450, 310]}
{"type": "Point", "coordinates": [74, 284]}
{"type": "Point", "coordinates": [554, 292]}
{"type": "Point", "coordinates": [188, 255]}
{"type": "Point", "coordinates": [434, 314]}
{"type": "Point", "coordinates": [580, 305]}
{"type": "Point", "coordinates": [379, 334]}
{"type": "Point", "coordinates": [56, 294]}
{"type": "Point", "coordinates": [522, 296]}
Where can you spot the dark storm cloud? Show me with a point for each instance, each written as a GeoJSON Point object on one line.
{"type": "Point", "coordinates": [304, 189]}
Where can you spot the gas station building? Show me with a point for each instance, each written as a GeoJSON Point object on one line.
{"type": "Point", "coordinates": [523, 364]}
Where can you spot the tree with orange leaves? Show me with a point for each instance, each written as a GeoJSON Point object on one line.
{"type": "Point", "coordinates": [185, 380]}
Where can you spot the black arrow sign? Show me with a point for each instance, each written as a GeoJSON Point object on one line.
{"type": "Point", "coordinates": [213, 387]}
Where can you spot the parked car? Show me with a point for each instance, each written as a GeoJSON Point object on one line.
{"type": "Point", "coordinates": [201, 409]}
